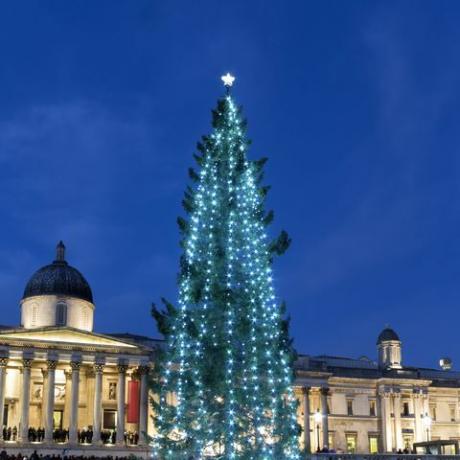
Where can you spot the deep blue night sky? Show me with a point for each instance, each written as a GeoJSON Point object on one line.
{"type": "Point", "coordinates": [356, 104]}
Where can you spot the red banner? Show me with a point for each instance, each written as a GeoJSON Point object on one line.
{"type": "Point", "coordinates": [133, 402]}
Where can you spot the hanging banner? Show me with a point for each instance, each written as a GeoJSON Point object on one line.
{"type": "Point", "coordinates": [133, 402]}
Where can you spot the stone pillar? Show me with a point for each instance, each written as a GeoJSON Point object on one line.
{"type": "Point", "coordinates": [418, 428]}
{"type": "Point", "coordinates": [97, 415]}
{"type": "Point", "coordinates": [425, 402]}
{"type": "Point", "coordinates": [121, 391]}
{"type": "Point", "coordinates": [143, 404]}
{"type": "Point", "coordinates": [397, 418]}
{"type": "Point", "coordinates": [49, 401]}
{"type": "Point", "coordinates": [426, 411]}
{"type": "Point", "coordinates": [67, 398]}
{"type": "Point", "coordinates": [324, 394]}
{"type": "Point", "coordinates": [3, 364]}
{"type": "Point", "coordinates": [75, 390]}
{"type": "Point", "coordinates": [25, 400]}
{"type": "Point", "coordinates": [306, 419]}
{"type": "Point", "coordinates": [385, 405]}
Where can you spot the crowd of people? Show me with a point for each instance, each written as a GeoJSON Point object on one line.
{"type": "Point", "coordinates": [35, 456]}
{"type": "Point", "coordinates": [10, 433]}
{"type": "Point", "coordinates": [84, 436]}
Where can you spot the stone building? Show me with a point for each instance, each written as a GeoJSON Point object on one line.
{"type": "Point", "coordinates": [362, 406]}
{"type": "Point", "coordinates": [64, 386]}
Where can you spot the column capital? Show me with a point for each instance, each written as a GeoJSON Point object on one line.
{"type": "Point", "coordinates": [143, 369]}
{"type": "Point", "coordinates": [26, 363]}
{"type": "Point", "coordinates": [306, 390]}
{"type": "Point", "coordinates": [122, 368]}
{"type": "Point", "coordinates": [75, 365]}
{"type": "Point", "coordinates": [384, 392]}
{"type": "Point", "coordinates": [98, 368]}
{"type": "Point", "coordinates": [324, 391]}
{"type": "Point", "coordinates": [51, 364]}
{"type": "Point", "coordinates": [3, 362]}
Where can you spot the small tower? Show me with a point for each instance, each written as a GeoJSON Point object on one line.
{"type": "Point", "coordinates": [389, 349]}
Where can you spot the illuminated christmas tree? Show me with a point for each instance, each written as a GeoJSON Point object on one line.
{"type": "Point", "coordinates": [224, 379]}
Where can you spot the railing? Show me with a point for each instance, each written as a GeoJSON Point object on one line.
{"type": "Point", "coordinates": [329, 456]}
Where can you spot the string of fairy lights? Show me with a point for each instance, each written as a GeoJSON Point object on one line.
{"type": "Point", "coordinates": [226, 244]}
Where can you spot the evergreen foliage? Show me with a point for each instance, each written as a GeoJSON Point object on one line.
{"type": "Point", "coordinates": [224, 379]}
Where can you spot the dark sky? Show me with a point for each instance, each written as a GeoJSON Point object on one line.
{"type": "Point", "coordinates": [356, 104]}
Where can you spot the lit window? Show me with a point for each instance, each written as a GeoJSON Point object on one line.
{"type": "Point", "coordinates": [373, 444]}
{"type": "Point", "coordinates": [408, 440]}
{"type": "Point", "coordinates": [351, 443]}
{"type": "Point", "coordinates": [331, 440]}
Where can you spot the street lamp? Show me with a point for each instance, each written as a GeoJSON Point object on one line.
{"type": "Point", "coordinates": [427, 421]}
{"type": "Point", "coordinates": [318, 417]}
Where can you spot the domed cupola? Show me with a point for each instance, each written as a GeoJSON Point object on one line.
{"type": "Point", "coordinates": [389, 349]}
{"type": "Point", "coordinates": [57, 295]}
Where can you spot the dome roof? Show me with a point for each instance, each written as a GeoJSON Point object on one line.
{"type": "Point", "coordinates": [59, 278]}
{"type": "Point", "coordinates": [386, 335]}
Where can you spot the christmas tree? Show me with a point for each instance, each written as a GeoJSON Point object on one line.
{"type": "Point", "coordinates": [224, 379]}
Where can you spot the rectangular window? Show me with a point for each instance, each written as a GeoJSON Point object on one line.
{"type": "Point", "coordinates": [373, 444]}
{"type": "Point", "coordinates": [331, 440]}
{"type": "Point", "coordinates": [57, 419]}
{"type": "Point", "coordinates": [372, 408]}
{"type": "Point", "coordinates": [351, 442]}
{"type": "Point", "coordinates": [110, 419]}
{"type": "Point", "coordinates": [61, 314]}
{"type": "Point", "coordinates": [433, 412]}
{"type": "Point", "coordinates": [406, 409]}
{"type": "Point", "coordinates": [349, 406]}
{"type": "Point", "coordinates": [408, 441]}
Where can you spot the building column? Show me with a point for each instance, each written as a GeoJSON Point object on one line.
{"type": "Point", "coordinates": [121, 392]}
{"type": "Point", "coordinates": [3, 364]}
{"type": "Point", "coordinates": [397, 418]}
{"type": "Point", "coordinates": [324, 394]}
{"type": "Point", "coordinates": [97, 414]}
{"type": "Point", "coordinates": [426, 411]}
{"type": "Point", "coordinates": [385, 405]}
{"type": "Point", "coordinates": [49, 401]}
{"type": "Point", "coordinates": [75, 390]}
{"type": "Point", "coordinates": [68, 395]}
{"type": "Point", "coordinates": [143, 404]}
{"type": "Point", "coordinates": [25, 400]}
{"type": "Point", "coordinates": [418, 428]}
{"type": "Point", "coordinates": [306, 419]}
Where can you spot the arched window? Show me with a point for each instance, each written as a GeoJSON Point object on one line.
{"type": "Point", "coordinates": [61, 313]}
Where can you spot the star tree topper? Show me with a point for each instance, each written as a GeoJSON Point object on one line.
{"type": "Point", "coordinates": [228, 80]}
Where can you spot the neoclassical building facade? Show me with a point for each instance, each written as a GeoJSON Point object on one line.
{"type": "Point", "coordinates": [366, 406]}
{"type": "Point", "coordinates": [63, 384]}
{"type": "Point", "coordinates": [65, 387]}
